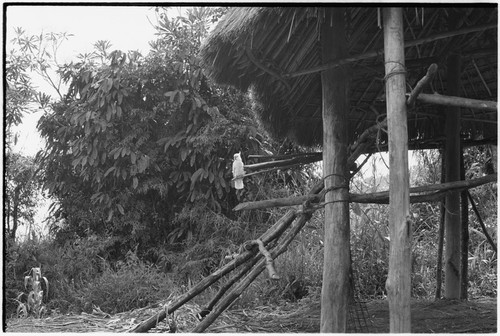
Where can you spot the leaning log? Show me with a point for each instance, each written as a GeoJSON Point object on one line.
{"type": "Point", "coordinates": [486, 234]}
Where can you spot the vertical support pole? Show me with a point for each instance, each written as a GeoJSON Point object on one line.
{"type": "Point", "coordinates": [336, 267]}
{"type": "Point", "coordinates": [398, 283]}
{"type": "Point", "coordinates": [464, 239]}
{"type": "Point", "coordinates": [439, 263]}
{"type": "Point", "coordinates": [452, 166]}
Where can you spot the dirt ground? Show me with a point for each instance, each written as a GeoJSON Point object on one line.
{"type": "Point", "coordinates": [443, 316]}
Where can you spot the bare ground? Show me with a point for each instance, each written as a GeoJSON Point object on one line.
{"type": "Point", "coordinates": [442, 316]}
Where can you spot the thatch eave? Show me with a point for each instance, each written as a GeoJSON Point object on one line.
{"type": "Point", "coordinates": [255, 47]}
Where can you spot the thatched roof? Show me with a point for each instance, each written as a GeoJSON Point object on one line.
{"type": "Point", "coordinates": [261, 47]}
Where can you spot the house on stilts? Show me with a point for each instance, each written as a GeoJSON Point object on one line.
{"type": "Point", "coordinates": [358, 80]}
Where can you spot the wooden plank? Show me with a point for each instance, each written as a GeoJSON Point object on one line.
{"type": "Point", "coordinates": [335, 106]}
{"type": "Point", "coordinates": [398, 283]}
{"type": "Point", "coordinates": [452, 173]}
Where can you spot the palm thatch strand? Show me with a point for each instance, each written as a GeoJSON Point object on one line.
{"type": "Point", "coordinates": [274, 53]}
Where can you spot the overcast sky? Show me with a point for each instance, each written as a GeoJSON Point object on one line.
{"type": "Point", "coordinates": [126, 27]}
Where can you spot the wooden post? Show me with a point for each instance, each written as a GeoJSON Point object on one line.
{"type": "Point", "coordinates": [439, 263]}
{"type": "Point", "coordinates": [399, 279]}
{"type": "Point", "coordinates": [452, 166]}
{"type": "Point", "coordinates": [336, 266]}
{"type": "Point", "coordinates": [464, 241]}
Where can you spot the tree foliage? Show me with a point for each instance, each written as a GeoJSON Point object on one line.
{"type": "Point", "coordinates": [21, 191]}
{"type": "Point", "coordinates": [136, 138]}
{"type": "Point", "coordinates": [26, 55]}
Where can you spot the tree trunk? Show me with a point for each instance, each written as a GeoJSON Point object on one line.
{"type": "Point", "coordinates": [6, 203]}
{"type": "Point", "coordinates": [399, 279]}
{"type": "Point", "coordinates": [15, 213]}
{"type": "Point", "coordinates": [452, 166]}
{"type": "Point", "coordinates": [336, 266]}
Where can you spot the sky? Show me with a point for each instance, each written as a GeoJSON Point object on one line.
{"type": "Point", "coordinates": [126, 27]}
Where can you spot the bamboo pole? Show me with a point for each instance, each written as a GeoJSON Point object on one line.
{"type": "Point", "coordinates": [335, 106]}
{"type": "Point", "coordinates": [452, 166]}
{"type": "Point", "coordinates": [399, 278]}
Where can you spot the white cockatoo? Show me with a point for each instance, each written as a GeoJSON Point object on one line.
{"type": "Point", "coordinates": [238, 171]}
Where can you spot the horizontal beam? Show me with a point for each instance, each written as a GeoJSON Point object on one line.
{"type": "Point", "coordinates": [427, 193]}
{"type": "Point", "coordinates": [476, 104]}
{"type": "Point", "coordinates": [304, 159]}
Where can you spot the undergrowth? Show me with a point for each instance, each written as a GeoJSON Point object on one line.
{"type": "Point", "coordinates": [85, 273]}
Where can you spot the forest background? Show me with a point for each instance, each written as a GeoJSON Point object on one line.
{"type": "Point", "coordinates": [136, 165]}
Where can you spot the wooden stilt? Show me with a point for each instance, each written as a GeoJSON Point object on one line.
{"type": "Point", "coordinates": [336, 266]}
{"type": "Point", "coordinates": [439, 263]}
{"type": "Point", "coordinates": [464, 239]}
{"type": "Point", "coordinates": [452, 166]}
{"type": "Point", "coordinates": [399, 279]}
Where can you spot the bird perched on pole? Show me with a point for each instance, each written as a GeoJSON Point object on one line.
{"type": "Point", "coordinates": [238, 171]}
